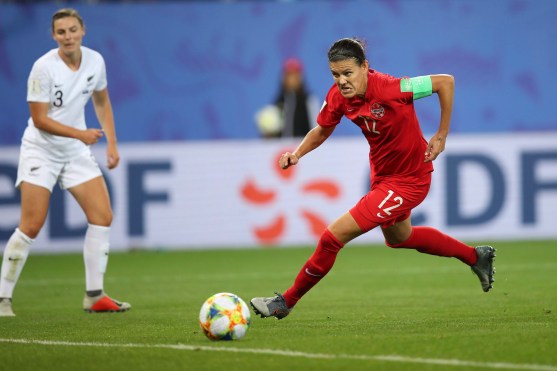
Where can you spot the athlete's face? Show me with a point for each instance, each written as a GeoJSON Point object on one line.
{"type": "Point", "coordinates": [351, 78]}
{"type": "Point", "coordinates": [68, 33]}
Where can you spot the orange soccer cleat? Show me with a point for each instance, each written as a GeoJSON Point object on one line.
{"type": "Point", "coordinates": [103, 303]}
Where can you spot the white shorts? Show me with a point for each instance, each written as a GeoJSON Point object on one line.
{"type": "Point", "coordinates": [36, 168]}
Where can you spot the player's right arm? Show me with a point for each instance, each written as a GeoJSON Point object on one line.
{"type": "Point", "coordinates": [313, 139]}
{"type": "Point", "coordinates": [39, 114]}
{"type": "Point", "coordinates": [329, 116]}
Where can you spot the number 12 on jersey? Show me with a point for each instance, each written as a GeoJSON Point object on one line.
{"type": "Point", "coordinates": [387, 210]}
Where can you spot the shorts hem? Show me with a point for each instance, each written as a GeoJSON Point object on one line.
{"type": "Point", "coordinates": [81, 181]}
{"type": "Point", "coordinates": [19, 181]}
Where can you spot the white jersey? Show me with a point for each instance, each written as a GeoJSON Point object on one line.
{"type": "Point", "coordinates": [67, 92]}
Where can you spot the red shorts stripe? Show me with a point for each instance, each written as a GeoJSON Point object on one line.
{"type": "Point", "coordinates": [390, 202]}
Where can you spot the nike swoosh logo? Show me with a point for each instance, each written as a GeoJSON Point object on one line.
{"type": "Point", "coordinates": [90, 77]}
{"type": "Point", "coordinates": [381, 216]}
{"type": "Point", "coordinates": [312, 274]}
{"type": "Point", "coordinates": [57, 85]}
{"type": "Point", "coordinates": [35, 168]}
{"type": "Point", "coordinates": [350, 110]}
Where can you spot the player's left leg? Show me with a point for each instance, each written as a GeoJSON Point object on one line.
{"type": "Point", "coordinates": [428, 240]}
{"type": "Point", "coordinates": [93, 198]}
{"type": "Point", "coordinates": [431, 241]}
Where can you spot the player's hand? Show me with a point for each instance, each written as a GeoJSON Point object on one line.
{"type": "Point", "coordinates": [90, 136]}
{"type": "Point", "coordinates": [112, 157]}
{"type": "Point", "coordinates": [435, 147]}
{"type": "Point", "coordinates": [287, 159]}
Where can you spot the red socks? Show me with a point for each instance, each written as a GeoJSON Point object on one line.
{"type": "Point", "coordinates": [430, 241]}
{"type": "Point", "coordinates": [424, 239]}
{"type": "Point", "coordinates": [317, 266]}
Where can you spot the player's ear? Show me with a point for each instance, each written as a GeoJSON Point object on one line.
{"type": "Point", "coordinates": [365, 65]}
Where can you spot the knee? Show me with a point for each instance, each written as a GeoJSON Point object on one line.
{"type": "Point", "coordinates": [31, 228]}
{"type": "Point", "coordinates": [397, 237]}
{"type": "Point", "coordinates": [103, 219]}
{"type": "Point", "coordinates": [329, 242]}
{"type": "Point", "coordinates": [107, 219]}
{"type": "Point", "coordinates": [397, 240]}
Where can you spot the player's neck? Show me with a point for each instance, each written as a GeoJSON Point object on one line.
{"type": "Point", "coordinates": [362, 94]}
{"type": "Point", "coordinates": [72, 60]}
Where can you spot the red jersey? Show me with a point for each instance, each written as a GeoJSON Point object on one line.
{"type": "Point", "coordinates": [388, 120]}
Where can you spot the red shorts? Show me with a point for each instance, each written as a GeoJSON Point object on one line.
{"type": "Point", "coordinates": [390, 202]}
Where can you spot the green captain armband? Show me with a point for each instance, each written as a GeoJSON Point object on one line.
{"type": "Point", "coordinates": [420, 86]}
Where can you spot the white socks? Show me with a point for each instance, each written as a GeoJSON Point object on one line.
{"type": "Point", "coordinates": [95, 256]}
{"type": "Point", "coordinates": [15, 255]}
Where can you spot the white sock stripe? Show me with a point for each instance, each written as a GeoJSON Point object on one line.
{"type": "Point", "coordinates": [288, 353]}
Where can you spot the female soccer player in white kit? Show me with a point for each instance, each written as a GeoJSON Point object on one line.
{"type": "Point", "coordinates": [55, 148]}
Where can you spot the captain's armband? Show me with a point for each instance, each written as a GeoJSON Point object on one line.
{"type": "Point", "coordinates": [420, 86]}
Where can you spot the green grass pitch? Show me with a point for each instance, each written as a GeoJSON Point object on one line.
{"type": "Point", "coordinates": [378, 309]}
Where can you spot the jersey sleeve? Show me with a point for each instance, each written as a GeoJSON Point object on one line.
{"type": "Point", "coordinates": [331, 111]}
{"type": "Point", "coordinates": [102, 82]}
{"type": "Point", "coordinates": [38, 84]}
{"type": "Point", "coordinates": [396, 88]}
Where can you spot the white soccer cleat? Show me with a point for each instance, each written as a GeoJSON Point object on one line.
{"type": "Point", "coordinates": [6, 307]}
{"type": "Point", "coordinates": [274, 306]}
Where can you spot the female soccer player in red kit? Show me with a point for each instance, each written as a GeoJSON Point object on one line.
{"type": "Point", "coordinates": [401, 166]}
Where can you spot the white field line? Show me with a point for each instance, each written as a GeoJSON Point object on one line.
{"type": "Point", "coordinates": [289, 353]}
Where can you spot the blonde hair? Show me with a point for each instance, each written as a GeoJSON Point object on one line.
{"type": "Point", "coordinates": [66, 12]}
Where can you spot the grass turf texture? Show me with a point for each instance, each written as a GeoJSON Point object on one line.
{"type": "Point", "coordinates": [376, 301]}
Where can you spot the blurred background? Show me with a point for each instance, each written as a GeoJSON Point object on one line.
{"type": "Point", "coordinates": [187, 80]}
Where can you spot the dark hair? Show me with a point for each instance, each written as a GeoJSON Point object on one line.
{"type": "Point", "coordinates": [66, 12]}
{"type": "Point", "coordinates": [348, 48]}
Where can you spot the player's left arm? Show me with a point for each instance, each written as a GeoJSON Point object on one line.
{"type": "Point", "coordinates": [443, 85]}
{"type": "Point", "coordinates": [103, 110]}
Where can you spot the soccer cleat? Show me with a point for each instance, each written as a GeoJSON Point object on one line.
{"type": "Point", "coordinates": [103, 303]}
{"type": "Point", "coordinates": [484, 268]}
{"type": "Point", "coordinates": [273, 306]}
{"type": "Point", "coordinates": [6, 307]}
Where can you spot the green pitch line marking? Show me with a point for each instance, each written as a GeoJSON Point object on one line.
{"type": "Point", "coordinates": [289, 353]}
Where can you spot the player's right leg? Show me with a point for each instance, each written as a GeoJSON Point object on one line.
{"type": "Point", "coordinates": [13, 260]}
{"type": "Point", "coordinates": [34, 208]}
{"type": "Point", "coordinates": [340, 232]}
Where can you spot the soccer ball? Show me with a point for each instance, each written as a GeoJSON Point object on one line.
{"type": "Point", "coordinates": [224, 316]}
{"type": "Point", "coordinates": [269, 120]}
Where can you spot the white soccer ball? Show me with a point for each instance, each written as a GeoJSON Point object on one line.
{"type": "Point", "coordinates": [224, 316]}
{"type": "Point", "coordinates": [269, 120]}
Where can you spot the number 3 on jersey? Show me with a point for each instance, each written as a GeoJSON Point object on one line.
{"type": "Point", "coordinates": [387, 210]}
{"type": "Point", "coordinates": [58, 101]}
